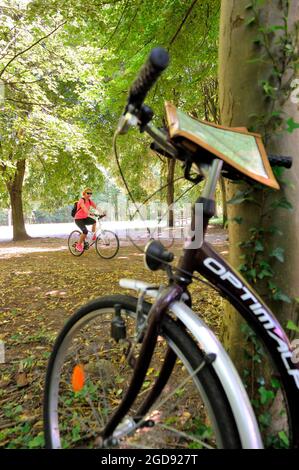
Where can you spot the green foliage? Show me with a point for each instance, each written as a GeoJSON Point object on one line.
{"type": "Point", "coordinates": [291, 326]}
{"type": "Point", "coordinates": [3, 218]}
{"type": "Point", "coordinates": [258, 254]}
{"type": "Point", "coordinates": [242, 196]}
{"type": "Point", "coordinates": [292, 125]}
{"type": "Point", "coordinates": [72, 87]}
{"type": "Point", "coordinates": [40, 120]}
{"type": "Point", "coordinates": [259, 251]}
{"type": "Point", "coordinates": [265, 395]}
{"type": "Point", "coordinates": [262, 388]}
{"type": "Point", "coordinates": [275, 45]}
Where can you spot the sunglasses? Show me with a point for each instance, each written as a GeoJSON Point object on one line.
{"type": "Point", "coordinates": [88, 193]}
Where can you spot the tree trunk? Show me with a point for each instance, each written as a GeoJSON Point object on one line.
{"type": "Point", "coordinates": [241, 102]}
{"type": "Point", "coordinates": [170, 189]}
{"type": "Point", "coordinates": [224, 201]}
{"type": "Point", "coordinates": [15, 186]}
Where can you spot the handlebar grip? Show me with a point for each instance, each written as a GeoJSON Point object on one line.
{"type": "Point", "coordinates": [148, 74]}
{"type": "Point", "coordinates": [279, 160]}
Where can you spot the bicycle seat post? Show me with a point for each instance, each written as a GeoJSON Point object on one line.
{"type": "Point", "coordinates": [207, 197]}
{"type": "Point", "coordinates": [214, 172]}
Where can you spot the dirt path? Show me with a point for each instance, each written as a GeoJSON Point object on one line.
{"type": "Point", "coordinates": [41, 286]}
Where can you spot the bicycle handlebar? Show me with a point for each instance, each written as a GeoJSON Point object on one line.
{"type": "Point", "coordinates": [98, 216]}
{"type": "Point", "coordinates": [156, 62]}
{"type": "Point", "coordinates": [280, 160]}
{"type": "Point", "coordinates": [149, 73]}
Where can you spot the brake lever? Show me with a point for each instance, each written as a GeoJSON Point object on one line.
{"type": "Point", "coordinates": [126, 121]}
{"type": "Point", "coordinates": [187, 173]}
{"type": "Point", "coordinates": [145, 115]}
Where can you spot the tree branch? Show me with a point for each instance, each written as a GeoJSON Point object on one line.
{"type": "Point", "coordinates": [3, 54]}
{"type": "Point", "coordinates": [183, 22]}
{"type": "Point", "coordinates": [26, 83]}
{"type": "Point", "coordinates": [30, 103]}
{"type": "Point", "coordinates": [117, 26]}
{"type": "Point", "coordinates": [30, 47]}
{"type": "Point", "coordinates": [140, 49]}
{"type": "Point", "coordinates": [129, 27]}
{"type": "Point", "coordinates": [42, 162]}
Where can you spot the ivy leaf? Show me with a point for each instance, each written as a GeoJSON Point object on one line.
{"type": "Point", "coordinates": [282, 435]}
{"type": "Point", "coordinates": [241, 196]}
{"type": "Point", "coordinates": [291, 326]}
{"type": "Point", "coordinates": [265, 419]}
{"type": "Point", "coordinates": [251, 273]}
{"type": "Point", "coordinates": [257, 41]}
{"type": "Point", "coordinates": [237, 219]}
{"type": "Point", "coordinates": [265, 273]}
{"type": "Point", "coordinates": [238, 198]}
{"type": "Point", "coordinates": [256, 60]}
{"type": "Point", "coordinates": [273, 28]}
{"type": "Point", "coordinates": [272, 286]}
{"type": "Point", "coordinates": [278, 171]}
{"type": "Point", "coordinates": [266, 395]}
{"type": "Point", "coordinates": [275, 230]}
{"type": "Point", "coordinates": [242, 268]}
{"type": "Point", "coordinates": [292, 125]}
{"type": "Point", "coordinates": [269, 90]}
{"type": "Point", "coordinates": [283, 203]}
{"type": "Point", "coordinates": [266, 270]}
{"type": "Point", "coordinates": [281, 296]}
{"type": "Point", "coordinates": [261, 380]}
{"type": "Point", "coordinates": [250, 21]}
{"type": "Point", "coordinates": [278, 253]}
{"type": "Point", "coordinates": [258, 246]}
{"type": "Point", "coordinates": [260, 3]}
{"type": "Point", "coordinates": [275, 383]}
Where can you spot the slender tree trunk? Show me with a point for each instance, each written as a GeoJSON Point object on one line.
{"type": "Point", "coordinates": [170, 189]}
{"type": "Point", "coordinates": [14, 187]}
{"type": "Point", "coordinates": [241, 102]}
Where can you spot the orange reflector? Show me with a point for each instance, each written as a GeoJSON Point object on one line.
{"type": "Point", "coordinates": [78, 378]}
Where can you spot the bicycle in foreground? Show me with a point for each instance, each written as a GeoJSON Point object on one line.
{"type": "Point", "coordinates": [145, 371]}
{"type": "Point", "coordinates": [106, 242]}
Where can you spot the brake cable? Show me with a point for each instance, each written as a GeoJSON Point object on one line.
{"type": "Point", "coordinates": [180, 270]}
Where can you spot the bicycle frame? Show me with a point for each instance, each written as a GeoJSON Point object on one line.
{"type": "Point", "coordinates": [215, 269]}
{"type": "Point", "coordinates": [255, 312]}
{"type": "Point", "coordinates": [99, 231]}
{"type": "Point", "coordinates": [233, 287]}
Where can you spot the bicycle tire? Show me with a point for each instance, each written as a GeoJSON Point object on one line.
{"type": "Point", "coordinates": [75, 234]}
{"type": "Point", "coordinates": [101, 251]}
{"type": "Point", "coordinates": [167, 242]}
{"type": "Point", "coordinates": [173, 335]}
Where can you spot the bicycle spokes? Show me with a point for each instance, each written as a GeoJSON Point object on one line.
{"type": "Point", "coordinates": [107, 244]}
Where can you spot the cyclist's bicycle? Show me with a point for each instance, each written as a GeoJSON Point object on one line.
{"type": "Point", "coordinates": [106, 242]}
{"type": "Point", "coordinates": [146, 371]}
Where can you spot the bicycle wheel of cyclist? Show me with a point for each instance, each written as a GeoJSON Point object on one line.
{"type": "Point", "coordinates": [72, 243]}
{"type": "Point", "coordinates": [107, 244]}
{"type": "Point", "coordinates": [88, 374]}
{"type": "Point", "coordinates": [166, 241]}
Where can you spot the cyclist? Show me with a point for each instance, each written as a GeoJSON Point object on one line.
{"type": "Point", "coordinates": [82, 217]}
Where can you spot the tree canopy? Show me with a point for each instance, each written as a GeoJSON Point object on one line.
{"type": "Point", "coordinates": [65, 70]}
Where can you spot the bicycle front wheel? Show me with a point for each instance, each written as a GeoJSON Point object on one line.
{"type": "Point", "coordinates": [89, 372]}
{"type": "Point", "coordinates": [107, 244]}
{"type": "Point", "coordinates": [72, 243]}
